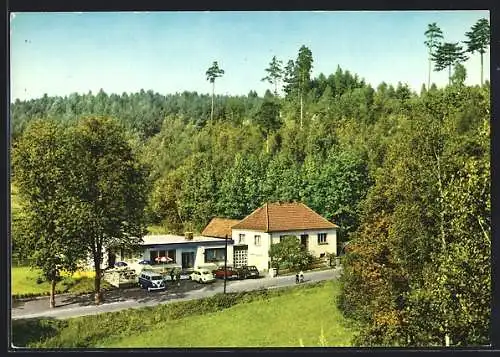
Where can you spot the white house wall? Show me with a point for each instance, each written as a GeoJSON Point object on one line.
{"type": "Point", "coordinates": [258, 255]}
{"type": "Point", "coordinates": [199, 253]}
{"type": "Point", "coordinates": [313, 246]}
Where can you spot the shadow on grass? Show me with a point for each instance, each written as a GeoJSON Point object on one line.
{"type": "Point", "coordinates": [26, 332]}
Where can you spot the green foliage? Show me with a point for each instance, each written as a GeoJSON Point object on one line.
{"type": "Point", "coordinates": [459, 75]}
{"type": "Point", "coordinates": [479, 40]}
{"type": "Point", "coordinates": [274, 73]}
{"type": "Point", "coordinates": [80, 184]}
{"type": "Point", "coordinates": [389, 167]}
{"type": "Point", "coordinates": [135, 324]}
{"type": "Point", "coordinates": [434, 36]}
{"type": "Point", "coordinates": [414, 266]}
{"type": "Point", "coordinates": [214, 72]}
{"type": "Point", "coordinates": [447, 55]}
{"type": "Point", "coordinates": [111, 188]}
{"type": "Point", "coordinates": [289, 254]}
{"type": "Point", "coordinates": [334, 187]}
{"type": "Point", "coordinates": [49, 225]}
{"type": "Point", "coordinates": [241, 187]}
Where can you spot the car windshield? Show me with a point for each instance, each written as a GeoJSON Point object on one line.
{"type": "Point", "coordinates": [156, 278]}
{"type": "Point", "coordinates": [252, 268]}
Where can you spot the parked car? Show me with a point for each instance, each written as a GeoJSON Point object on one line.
{"type": "Point", "coordinates": [151, 281]}
{"type": "Point", "coordinates": [202, 276]}
{"type": "Point", "coordinates": [231, 273]}
{"type": "Point", "coordinates": [249, 271]}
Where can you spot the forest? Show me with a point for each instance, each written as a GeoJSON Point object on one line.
{"type": "Point", "coordinates": [405, 175]}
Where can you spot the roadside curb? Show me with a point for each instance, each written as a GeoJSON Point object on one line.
{"type": "Point", "coordinates": [41, 297]}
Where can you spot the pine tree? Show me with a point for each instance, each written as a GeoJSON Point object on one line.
{"type": "Point", "coordinates": [212, 73]}
{"type": "Point", "coordinates": [274, 73]}
{"type": "Point", "coordinates": [447, 55]}
{"type": "Point", "coordinates": [479, 40]}
{"type": "Point", "coordinates": [433, 35]}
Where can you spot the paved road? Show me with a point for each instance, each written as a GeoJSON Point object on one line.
{"type": "Point", "coordinates": [71, 306]}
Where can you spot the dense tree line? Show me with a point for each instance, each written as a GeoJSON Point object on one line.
{"type": "Point", "coordinates": [405, 175]}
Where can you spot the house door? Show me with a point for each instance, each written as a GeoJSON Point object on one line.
{"type": "Point", "coordinates": [240, 256]}
{"type": "Point", "coordinates": [187, 260]}
{"type": "Point", "coordinates": [304, 241]}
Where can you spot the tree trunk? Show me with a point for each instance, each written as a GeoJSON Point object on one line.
{"type": "Point", "coordinates": [429, 76]}
{"type": "Point", "coordinates": [52, 301]}
{"type": "Point", "coordinates": [301, 109]}
{"type": "Point", "coordinates": [481, 69]}
{"type": "Point", "coordinates": [97, 281]}
{"type": "Point", "coordinates": [212, 112]}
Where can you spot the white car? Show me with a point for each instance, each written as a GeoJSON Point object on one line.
{"type": "Point", "coordinates": [202, 276]}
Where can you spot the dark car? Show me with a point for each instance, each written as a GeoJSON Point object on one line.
{"type": "Point", "coordinates": [151, 281]}
{"type": "Point", "coordinates": [249, 271]}
{"type": "Point", "coordinates": [231, 273]}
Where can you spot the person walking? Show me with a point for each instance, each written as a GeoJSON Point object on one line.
{"type": "Point", "coordinates": [297, 278]}
{"type": "Point", "coordinates": [301, 276]}
{"type": "Point", "coordinates": [172, 275]}
{"type": "Point", "coordinates": [178, 277]}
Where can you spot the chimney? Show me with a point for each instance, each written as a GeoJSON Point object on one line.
{"type": "Point", "coordinates": [188, 235]}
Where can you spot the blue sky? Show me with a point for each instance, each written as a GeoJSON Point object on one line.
{"type": "Point", "coordinates": [168, 52]}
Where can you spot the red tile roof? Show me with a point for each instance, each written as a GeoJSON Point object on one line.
{"type": "Point", "coordinates": [219, 227]}
{"type": "Point", "coordinates": [278, 217]}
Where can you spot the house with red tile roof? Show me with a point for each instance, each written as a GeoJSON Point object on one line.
{"type": "Point", "coordinates": [249, 240]}
{"type": "Point", "coordinates": [254, 235]}
{"type": "Point", "coordinates": [219, 227]}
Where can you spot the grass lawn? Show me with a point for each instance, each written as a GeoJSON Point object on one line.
{"type": "Point", "coordinates": [24, 282]}
{"type": "Point", "coordinates": [290, 320]}
{"type": "Point", "coordinates": [293, 317]}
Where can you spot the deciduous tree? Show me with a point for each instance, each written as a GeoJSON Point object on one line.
{"type": "Point", "coordinates": [289, 254]}
{"type": "Point", "coordinates": [50, 227]}
{"type": "Point", "coordinates": [111, 187]}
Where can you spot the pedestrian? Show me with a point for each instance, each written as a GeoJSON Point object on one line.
{"type": "Point", "coordinates": [172, 275]}
{"type": "Point", "coordinates": [301, 276]}
{"type": "Point", "coordinates": [297, 278]}
{"type": "Point", "coordinates": [178, 277]}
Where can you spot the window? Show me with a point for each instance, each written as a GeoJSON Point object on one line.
{"type": "Point", "coordinates": [214, 255]}
{"type": "Point", "coordinates": [171, 255]}
{"type": "Point", "coordinates": [162, 253]}
{"type": "Point", "coordinates": [257, 240]}
{"type": "Point", "coordinates": [322, 238]}
{"type": "Point", "coordinates": [241, 238]}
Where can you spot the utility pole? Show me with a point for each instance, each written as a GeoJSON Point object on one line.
{"type": "Point", "coordinates": [225, 265]}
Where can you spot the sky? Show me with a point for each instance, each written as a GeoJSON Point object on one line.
{"type": "Point", "coordinates": [169, 52]}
